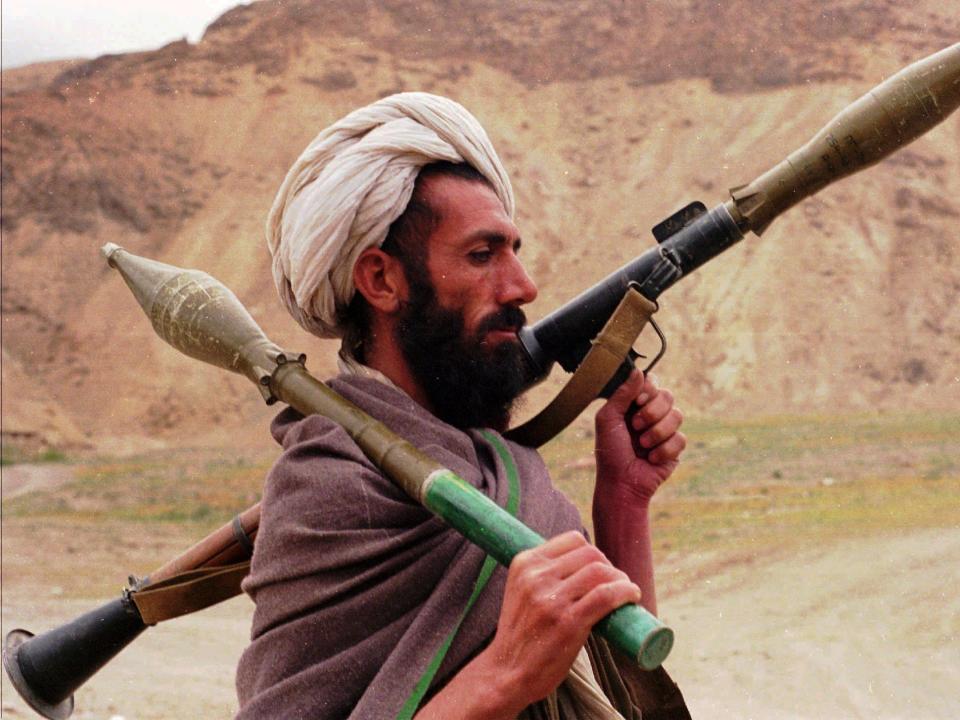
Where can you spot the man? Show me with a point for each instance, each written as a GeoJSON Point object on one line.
{"type": "Point", "coordinates": [393, 230]}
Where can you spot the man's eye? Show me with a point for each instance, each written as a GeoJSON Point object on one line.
{"type": "Point", "coordinates": [481, 256]}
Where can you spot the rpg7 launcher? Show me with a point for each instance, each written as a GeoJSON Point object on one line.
{"type": "Point", "coordinates": [888, 117]}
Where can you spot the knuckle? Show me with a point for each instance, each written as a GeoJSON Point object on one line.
{"type": "Point", "coordinates": [548, 606]}
{"type": "Point", "coordinates": [606, 416]}
{"type": "Point", "coordinates": [615, 574]}
{"type": "Point", "coordinates": [568, 616]}
{"type": "Point", "coordinates": [592, 555]}
{"type": "Point", "coordinates": [594, 551]}
{"type": "Point", "coordinates": [597, 570]}
{"type": "Point", "coordinates": [528, 585]}
{"type": "Point", "coordinates": [656, 409]}
{"type": "Point", "coordinates": [574, 536]}
{"type": "Point", "coordinates": [522, 561]}
{"type": "Point", "coordinates": [540, 603]}
{"type": "Point", "coordinates": [606, 594]}
{"type": "Point", "coordinates": [602, 572]}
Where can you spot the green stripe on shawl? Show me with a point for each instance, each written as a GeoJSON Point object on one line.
{"type": "Point", "coordinates": [513, 503]}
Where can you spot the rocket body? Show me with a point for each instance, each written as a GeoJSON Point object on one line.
{"type": "Point", "coordinates": [894, 113]}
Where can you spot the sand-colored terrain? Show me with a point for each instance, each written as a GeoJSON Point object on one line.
{"type": "Point", "coordinates": [809, 568]}
{"type": "Point", "coordinates": [864, 629]}
{"type": "Point", "coordinates": [608, 117]}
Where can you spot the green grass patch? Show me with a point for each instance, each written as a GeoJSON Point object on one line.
{"type": "Point", "coordinates": [742, 484]}
{"type": "Point", "coordinates": [175, 487]}
{"type": "Point", "coordinates": [788, 516]}
{"type": "Point", "coordinates": [14, 455]}
{"type": "Point", "coordinates": [750, 483]}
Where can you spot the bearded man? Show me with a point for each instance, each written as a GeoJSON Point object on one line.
{"type": "Point", "coordinates": [394, 231]}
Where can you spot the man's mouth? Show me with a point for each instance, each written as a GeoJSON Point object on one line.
{"type": "Point", "coordinates": [499, 335]}
{"type": "Point", "coordinates": [502, 326]}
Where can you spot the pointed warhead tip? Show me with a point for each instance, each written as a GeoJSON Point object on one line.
{"type": "Point", "coordinates": [108, 251]}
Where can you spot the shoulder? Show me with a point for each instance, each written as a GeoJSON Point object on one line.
{"type": "Point", "coordinates": [323, 479]}
{"type": "Point", "coordinates": [314, 435]}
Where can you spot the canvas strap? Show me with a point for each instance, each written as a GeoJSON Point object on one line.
{"type": "Point", "coordinates": [609, 349]}
{"type": "Point", "coordinates": [189, 591]}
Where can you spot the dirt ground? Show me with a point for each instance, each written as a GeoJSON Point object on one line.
{"type": "Point", "coordinates": [29, 477]}
{"type": "Point", "coordinates": [867, 628]}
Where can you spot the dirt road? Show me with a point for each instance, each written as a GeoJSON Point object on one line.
{"type": "Point", "coordinates": [27, 477]}
{"type": "Point", "coordinates": [865, 629]}
{"type": "Point", "coordinates": [868, 628]}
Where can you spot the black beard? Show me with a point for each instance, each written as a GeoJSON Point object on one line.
{"type": "Point", "coordinates": [467, 382]}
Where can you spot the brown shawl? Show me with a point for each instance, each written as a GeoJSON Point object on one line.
{"type": "Point", "coordinates": [355, 584]}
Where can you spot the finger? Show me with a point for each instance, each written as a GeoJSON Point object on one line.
{"type": "Point", "coordinates": [604, 599]}
{"type": "Point", "coordinates": [623, 397]}
{"type": "Point", "coordinates": [561, 544]}
{"type": "Point", "coordinates": [649, 390]}
{"type": "Point", "coordinates": [653, 411]}
{"type": "Point", "coordinates": [669, 450]}
{"type": "Point", "coordinates": [571, 562]}
{"type": "Point", "coordinates": [662, 430]}
{"type": "Point", "coordinates": [528, 561]}
{"type": "Point", "coordinates": [542, 582]}
{"type": "Point", "coordinates": [548, 571]}
{"type": "Point", "coordinates": [589, 576]}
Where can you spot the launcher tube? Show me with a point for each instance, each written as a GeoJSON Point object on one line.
{"type": "Point", "coordinates": [202, 318]}
{"type": "Point", "coordinates": [563, 336]}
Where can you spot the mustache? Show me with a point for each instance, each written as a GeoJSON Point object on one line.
{"type": "Point", "coordinates": [507, 318]}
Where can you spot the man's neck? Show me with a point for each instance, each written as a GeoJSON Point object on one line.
{"type": "Point", "coordinates": [387, 358]}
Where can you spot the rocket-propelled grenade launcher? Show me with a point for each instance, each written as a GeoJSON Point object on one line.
{"type": "Point", "coordinates": [888, 117]}
{"type": "Point", "coordinates": [202, 318]}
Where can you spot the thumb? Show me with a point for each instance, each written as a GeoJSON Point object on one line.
{"type": "Point", "coordinates": [623, 397]}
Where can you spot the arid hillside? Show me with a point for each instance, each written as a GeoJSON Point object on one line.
{"type": "Point", "coordinates": [608, 115]}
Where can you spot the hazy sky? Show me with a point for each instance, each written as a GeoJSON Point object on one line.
{"type": "Point", "coordinates": [35, 30]}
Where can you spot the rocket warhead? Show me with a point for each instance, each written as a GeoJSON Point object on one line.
{"type": "Point", "coordinates": [199, 316]}
{"type": "Point", "coordinates": [893, 114]}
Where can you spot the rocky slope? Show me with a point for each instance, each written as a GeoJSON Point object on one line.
{"type": "Point", "coordinates": [608, 115]}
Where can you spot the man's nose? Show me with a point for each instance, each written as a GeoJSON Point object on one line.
{"type": "Point", "coordinates": [516, 287]}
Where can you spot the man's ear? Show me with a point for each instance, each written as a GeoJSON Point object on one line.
{"type": "Point", "coordinates": [380, 278]}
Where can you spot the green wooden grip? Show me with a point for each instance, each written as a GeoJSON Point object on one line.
{"type": "Point", "coordinates": [630, 628]}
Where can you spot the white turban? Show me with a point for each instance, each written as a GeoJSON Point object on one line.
{"type": "Point", "coordinates": [355, 178]}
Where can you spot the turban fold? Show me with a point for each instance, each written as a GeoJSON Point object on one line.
{"type": "Point", "coordinates": [355, 178]}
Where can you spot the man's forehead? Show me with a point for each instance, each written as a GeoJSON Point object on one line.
{"type": "Point", "coordinates": [467, 208]}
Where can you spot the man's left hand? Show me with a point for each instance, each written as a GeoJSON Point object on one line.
{"type": "Point", "coordinates": [638, 438]}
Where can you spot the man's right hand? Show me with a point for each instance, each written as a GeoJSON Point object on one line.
{"type": "Point", "coordinates": [554, 596]}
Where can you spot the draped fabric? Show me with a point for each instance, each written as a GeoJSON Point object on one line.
{"type": "Point", "coordinates": [356, 585]}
